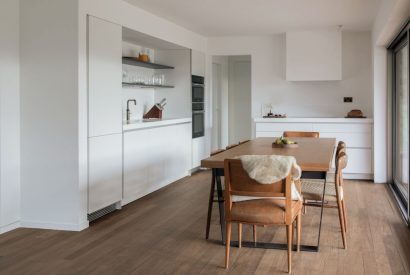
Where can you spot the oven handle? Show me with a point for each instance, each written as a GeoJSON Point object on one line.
{"type": "Point", "coordinates": [197, 85]}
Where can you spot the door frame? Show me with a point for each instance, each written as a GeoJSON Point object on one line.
{"type": "Point", "coordinates": [401, 40]}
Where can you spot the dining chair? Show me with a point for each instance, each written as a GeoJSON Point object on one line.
{"type": "Point", "coordinates": [211, 199]}
{"type": "Point", "coordinates": [293, 134]}
{"type": "Point", "coordinates": [312, 192]}
{"type": "Point", "coordinates": [275, 206]}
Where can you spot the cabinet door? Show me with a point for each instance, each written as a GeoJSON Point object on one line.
{"type": "Point", "coordinates": [197, 63]}
{"type": "Point", "coordinates": [359, 161]}
{"type": "Point", "coordinates": [105, 171]}
{"type": "Point", "coordinates": [104, 76]}
{"type": "Point", "coordinates": [154, 158]}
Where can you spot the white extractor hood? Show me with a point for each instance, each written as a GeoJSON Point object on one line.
{"type": "Point", "coordinates": [313, 55]}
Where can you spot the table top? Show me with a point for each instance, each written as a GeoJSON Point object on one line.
{"type": "Point", "coordinates": [312, 154]}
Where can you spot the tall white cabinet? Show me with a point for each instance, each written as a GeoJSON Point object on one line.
{"type": "Point", "coordinates": [199, 150]}
{"type": "Point", "coordinates": [104, 114]}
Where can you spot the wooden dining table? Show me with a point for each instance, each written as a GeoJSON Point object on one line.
{"type": "Point", "coordinates": [313, 155]}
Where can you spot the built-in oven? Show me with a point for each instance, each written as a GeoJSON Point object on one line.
{"type": "Point", "coordinates": [198, 106]}
{"type": "Point", "coordinates": [198, 87]}
{"type": "Point", "coordinates": [198, 124]}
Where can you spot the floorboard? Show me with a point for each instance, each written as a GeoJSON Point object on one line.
{"type": "Point", "coordinates": [163, 233]}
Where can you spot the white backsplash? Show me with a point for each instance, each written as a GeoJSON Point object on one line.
{"type": "Point", "coordinates": [144, 98]}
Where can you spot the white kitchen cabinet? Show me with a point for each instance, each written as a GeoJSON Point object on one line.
{"type": "Point", "coordinates": [198, 63]}
{"type": "Point", "coordinates": [155, 157]}
{"type": "Point", "coordinates": [356, 133]}
{"type": "Point", "coordinates": [313, 55]}
{"type": "Point", "coordinates": [104, 77]}
{"type": "Point", "coordinates": [105, 171]}
{"type": "Point", "coordinates": [198, 151]}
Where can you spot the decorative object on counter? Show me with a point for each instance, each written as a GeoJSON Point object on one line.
{"type": "Point", "coordinates": [270, 115]}
{"type": "Point", "coordinates": [267, 112]}
{"type": "Point", "coordinates": [144, 55]}
{"type": "Point", "coordinates": [267, 109]}
{"type": "Point", "coordinates": [355, 114]}
{"type": "Point", "coordinates": [128, 108]}
{"type": "Point", "coordinates": [156, 110]}
{"type": "Point", "coordinates": [284, 143]}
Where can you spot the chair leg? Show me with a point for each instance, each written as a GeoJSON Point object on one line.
{"type": "Point", "coordinates": [299, 227]}
{"type": "Point", "coordinates": [239, 235]}
{"type": "Point", "coordinates": [344, 214]}
{"type": "Point", "coordinates": [210, 203]}
{"type": "Point", "coordinates": [304, 207]}
{"type": "Point", "coordinates": [342, 223]}
{"type": "Point", "coordinates": [289, 234]}
{"type": "Point", "coordinates": [254, 233]}
{"type": "Point", "coordinates": [228, 243]}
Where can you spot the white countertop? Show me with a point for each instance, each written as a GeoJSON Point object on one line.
{"type": "Point", "coordinates": [140, 124]}
{"type": "Point", "coordinates": [315, 120]}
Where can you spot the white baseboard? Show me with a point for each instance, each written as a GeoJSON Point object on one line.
{"type": "Point", "coordinates": [55, 226]}
{"type": "Point", "coordinates": [350, 176]}
{"type": "Point", "coordinates": [9, 227]}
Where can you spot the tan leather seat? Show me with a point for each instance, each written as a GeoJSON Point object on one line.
{"type": "Point", "coordinates": [263, 211]}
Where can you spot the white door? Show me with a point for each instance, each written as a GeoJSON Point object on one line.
{"type": "Point", "coordinates": [104, 77]}
{"type": "Point", "coordinates": [105, 171]}
{"type": "Point", "coordinates": [240, 119]}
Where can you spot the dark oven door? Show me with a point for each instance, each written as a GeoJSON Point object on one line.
{"type": "Point", "coordinates": [198, 124]}
{"type": "Point", "coordinates": [197, 93]}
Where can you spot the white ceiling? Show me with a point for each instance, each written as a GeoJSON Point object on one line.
{"type": "Point", "coordinates": [249, 17]}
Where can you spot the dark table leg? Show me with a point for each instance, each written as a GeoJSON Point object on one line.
{"type": "Point", "coordinates": [218, 173]}
{"type": "Point", "coordinates": [210, 204]}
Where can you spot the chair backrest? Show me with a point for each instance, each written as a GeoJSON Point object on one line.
{"type": "Point", "coordinates": [213, 153]}
{"type": "Point", "coordinates": [231, 146]}
{"type": "Point", "coordinates": [341, 163]}
{"type": "Point", "coordinates": [341, 147]}
{"type": "Point", "coordinates": [300, 134]}
{"type": "Point", "coordinates": [238, 182]}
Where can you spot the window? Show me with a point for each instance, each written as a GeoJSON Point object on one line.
{"type": "Point", "coordinates": [401, 118]}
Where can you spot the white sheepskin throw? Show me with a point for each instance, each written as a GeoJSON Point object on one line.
{"type": "Point", "coordinates": [267, 169]}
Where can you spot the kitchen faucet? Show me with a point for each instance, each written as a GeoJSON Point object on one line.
{"type": "Point", "coordinates": [128, 108]}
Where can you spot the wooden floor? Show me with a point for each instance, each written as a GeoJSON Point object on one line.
{"type": "Point", "coordinates": [163, 233]}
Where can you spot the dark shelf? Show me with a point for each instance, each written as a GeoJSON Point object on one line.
{"type": "Point", "coordinates": [146, 85]}
{"type": "Point", "coordinates": [135, 62]}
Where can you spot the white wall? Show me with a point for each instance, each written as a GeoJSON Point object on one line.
{"type": "Point", "coordinates": [390, 18]}
{"type": "Point", "coordinates": [318, 98]}
{"type": "Point", "coordinates": [9, 116]}
{"type": "Point", "coordinates": [178, 98]}
{"type": "Point", "coordinates": [50, 190]}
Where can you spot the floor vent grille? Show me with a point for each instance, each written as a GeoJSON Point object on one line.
{"type": "Point", "coordinates": [102, 212]}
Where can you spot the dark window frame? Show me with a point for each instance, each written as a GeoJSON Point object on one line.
{"type": "Point", "coordinates": [402, 39]}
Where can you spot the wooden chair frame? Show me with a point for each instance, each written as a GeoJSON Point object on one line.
{"type": "Point", "coordinates": [341, 162]}
{"type": "Point", "coordinates": [293, 134]}
{"type": "Point", "coordinates": [237, 182]}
